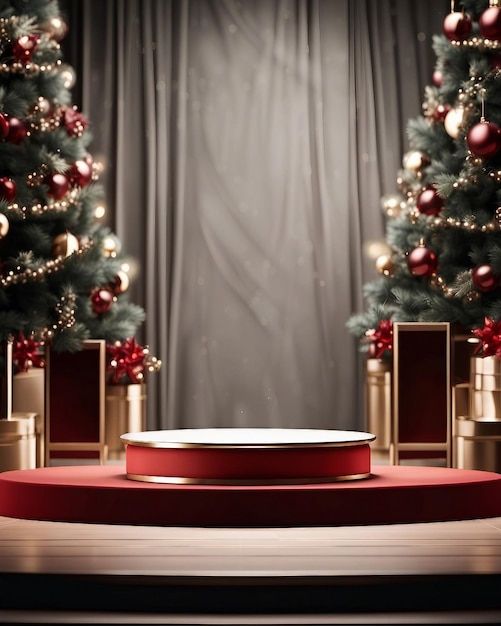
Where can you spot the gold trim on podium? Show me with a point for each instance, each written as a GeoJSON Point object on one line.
{"type": "Point", "coordinates": [219, 446]}
{"type": "Point", "coordinates": [180, 480]}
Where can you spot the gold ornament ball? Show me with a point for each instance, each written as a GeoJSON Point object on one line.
{"type": "Point", "coordinates": [64, 245]}
{"type": "Point", "coordinates": [415, 160]}
{"type": "Point", "coordinates": [57, 28]}
{"type": "Point", "coordinates": [121, 283]}
{"type": "Point", "coordinates": [385, 265]}
{"type": "Point", "coordinates": [68, 75]}
{"type": "Point", "coordinates": [453, 121]}
{"type": "Point", "coordinates": [4, 225]}
{"type": "Point", "coordinates": [391, 204]}
{"type": "Point", "coordinates": [111, 246]}
{"type": "Point", "coordinates": [43, 106]}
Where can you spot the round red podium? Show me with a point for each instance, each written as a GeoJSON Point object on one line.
{"type": "Point", "coordinates": [247, 456]}
{"type": "Point", "coordinates": [97, 494]}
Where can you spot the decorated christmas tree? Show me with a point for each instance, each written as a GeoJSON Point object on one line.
{"type": "Point", "coordinates": [444, 225]}
{"type": "Point", "coordinates": [61, 273]}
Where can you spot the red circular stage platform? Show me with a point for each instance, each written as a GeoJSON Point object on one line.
{"type": "Point", "coordinates": [391, 495]}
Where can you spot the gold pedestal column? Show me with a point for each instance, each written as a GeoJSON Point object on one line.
{"type": "Point", "coordinates": [18, 442]}
{"type": "Point", "coordinates": [125, 413]}
{"type": "Point", "coordinates": [478, 443]}
{"type": "Point", "coordinates": [478, 430]}
{"type": "Point", "coordinates": [378, 402]}
{"type": "Point", "coordinates": [28, 396]}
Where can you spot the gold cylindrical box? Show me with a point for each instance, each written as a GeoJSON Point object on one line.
{"type": "Point", "coordinates": [125, 413]}
{"type": "Point", "coordinates": [18, 442]}
{"type": "Point", "coordinates": [28, 396]}
{"type": "Point", "coordinates": [485, 387]}
{"type": "Point", "coordinates": [378, 402]}
{"type": "Point", "coordinates": [478, 443]}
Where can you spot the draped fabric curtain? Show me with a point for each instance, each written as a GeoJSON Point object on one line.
{"type": "Point", "coordinates": [247, 145]}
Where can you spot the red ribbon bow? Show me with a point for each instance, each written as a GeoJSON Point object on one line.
{"type": "Point", "coordinates": [490, 338]}
{"type": "Point", "coordinates": [126, 361]}
{"type": "Point", "coordinates": [26, 353]}
{"type": "Point", "coordinates": [381, 339]}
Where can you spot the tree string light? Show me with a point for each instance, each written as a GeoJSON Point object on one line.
{"type": "Point", "coordinates": [20, 276]}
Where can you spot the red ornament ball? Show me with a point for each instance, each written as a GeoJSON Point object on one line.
{"type": "Point", "coordinates": [4, 126]}
{"type": "Point", "coordinates": [7, 188]}
{"type": "Point", "coordinates": [24, 48]}
{"type": "Point", "coordinates": [490, 23]}
{"type": "Point", "coordinates": [437, 78]}
{"type": "Point", "coordinates": [429, 202]}
{"type": "Point", "coordinates": [484, 139]}
{"type": "Point", "coordinates": [422, 261]}
{"type": "Point", "coordinates": [58, 185]}
{"type": "Point", "coordinates": [440, 113]}
{"type": "Point", "coordinates": [102, 300]}
{"type": "Point", "coordinates": [484, 278]}
{"type": "Point", "coordinates": [457, 26]}
{"type": "Point", "coordinates": [17, 130]}
{"type": "Point", "coordinates": [80, 173]}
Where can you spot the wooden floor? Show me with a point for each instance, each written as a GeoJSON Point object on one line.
{"type": "Point", "coordinates": [446, 567]}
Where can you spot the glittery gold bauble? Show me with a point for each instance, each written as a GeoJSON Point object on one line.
{"type": "Point", "coordinates": [56, 27]}
{"type": "Point", "coordinates": [453, 121]}
{"type": "Point", "coordinates": [68, 75]}
{"type": "Point", "coordinates": [385, 265]}
{"type": "Point", "coordinates": [43, 106]}
{"type": "Point", "coordinates": [4, 225]}
{"type": "Point", "coordinates": [415, 160]}
{"type": "Point", "coordinates": [64, 245]}
{"type": "Point", "coordinates": [391, 204]}
{"type": "Point", "coordinates": [111, 246]}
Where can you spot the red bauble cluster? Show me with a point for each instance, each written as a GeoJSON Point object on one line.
{"type": "Point", "coordinates": [7, 189]}
{"type": "Point", "coordinates": [102, 300]}
{"type": "Point", "coordinates": [490, 23]}
{"type": "Point", "coordinates": [126, 362]}
{"type": "Point", "coordinates": [483, 278]}
{"type": "Point", "coordinates": [429, 202]}
{"type": "Point", "coordinates": [457, 26]}
{"type": "Point", "coordinates": [74, 121]}
{"type": "Point", "coordinates": [422, 261]}
{"type": "Point", "coordinates": [24, 47]}
{"type": "Point", "coordinates": [381, 339]}
{"type": "Point", "coordinates": [58, 185]}
{"type": "Point", "coordinates": [80, 173]}
{"type": "Point", "coordinates": [484, 139]}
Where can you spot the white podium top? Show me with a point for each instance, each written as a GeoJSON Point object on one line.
{"type": "Point", "coordinates": [247, 438]}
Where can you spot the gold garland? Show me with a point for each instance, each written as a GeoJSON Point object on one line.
{"type": "Point", "coordinates": [51, 266]}
{"type": "Point", "coordinates": [30, 68]}
{"type": "Point", "coordinates": [36, 210]}
{"type": "Point", "coordinates": [479, 43]}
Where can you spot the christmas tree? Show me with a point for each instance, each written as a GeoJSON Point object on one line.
{"type": "Point", "coordinates": [444, 227]}
{"type": "Point", "coordinates": [61, 274]}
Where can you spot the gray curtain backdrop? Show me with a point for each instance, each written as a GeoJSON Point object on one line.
{"type": "Point", "coordinates": [247, 144]}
